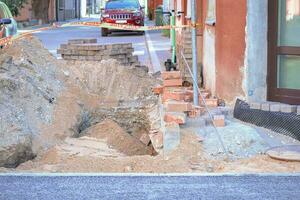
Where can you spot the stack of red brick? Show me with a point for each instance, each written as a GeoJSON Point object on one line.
{"type": "Point", "coordinates": [178, 100]}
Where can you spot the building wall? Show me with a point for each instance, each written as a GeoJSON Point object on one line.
{"type": "Point", "coordinates": [27, 15]}
{"type": "Point", "coordinates": [209, 52]}
{"type": "Point", "coordinates": [152, 4]}
{"type": "Point", "coordinates": [230, 48]}
{"type": "Point", "coordinates": [235, 50]}
{"type": "Point", "coordinates": [255, 78]}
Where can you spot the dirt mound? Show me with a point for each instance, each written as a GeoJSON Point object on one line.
{"type": "Point", "coordinates": [118, 138]}
{"type": "Point", "coordinates": [113, 81]}
{"type": "Point", "coordinates": [28, 89]}
{"type": "Point", "coordinates": [41, 97]}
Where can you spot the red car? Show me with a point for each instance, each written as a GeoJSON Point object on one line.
{"type": "Point", "coordinates": [122, 12]}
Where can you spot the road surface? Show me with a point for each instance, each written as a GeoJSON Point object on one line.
{"type": "Point", "coordinates": [149, 187]}
{"type": "Point", "coordinates": [152, 49]}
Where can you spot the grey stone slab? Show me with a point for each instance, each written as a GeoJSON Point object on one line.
{"type": "Point", "coordinates": [171, 137]}
{"type": "Point", "coordinates": [275, 107]}
{"type": "Point", "coordinates": [255, 105]}
{"type": "Point", "coordinates": [265, 106]}
{"type": "Point", "coordinates": [285, 108]}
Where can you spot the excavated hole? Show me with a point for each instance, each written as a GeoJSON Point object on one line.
{"type": "Point", "coordinates": [133, 121]}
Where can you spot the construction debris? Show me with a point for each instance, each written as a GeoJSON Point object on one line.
{"type": "Point", "coordinates": [89, 50]}
{"type": "Point", "coordinates": [101, 116]}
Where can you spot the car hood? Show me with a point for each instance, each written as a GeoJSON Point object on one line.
{"type": "Point", "coordinates": [121, 11]}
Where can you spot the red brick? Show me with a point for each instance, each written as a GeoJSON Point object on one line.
{"type": "Point", "coordinates": [158, 90]}
{"type": "Point", "coordinates": [178, 96]}
{"type": "Point", "coordinates": [172, 82]}
{"type": "Point", "coordinates": [178, 106]}
{"type": "Point", "coordinates": [167, 75]}
{"type": "Point", "coordinates": [145, 139]}
{"type": "Point", "coordinates": [219, 120]}
{"type": "Point", "coordinates": [179, 118]}
{"type": "Point", "coordinates": [209, 102]}
{"type": "Point", "coordinates": [196, 111]}
{"type": "Point", "coordinates": [157, 139]}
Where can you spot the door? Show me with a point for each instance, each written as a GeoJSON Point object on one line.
{"type": "Point", "coordinates": [61, 10]}
{"type": "Point", "coordinates": [284, 51]}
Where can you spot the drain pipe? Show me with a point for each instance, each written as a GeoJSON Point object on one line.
{"type": "Point", "coordinates": [194, 50]}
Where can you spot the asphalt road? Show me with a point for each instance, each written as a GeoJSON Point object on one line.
{"type": "Point", "coordinates": [149, 187]}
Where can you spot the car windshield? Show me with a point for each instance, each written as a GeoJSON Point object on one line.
{"type": "Point", "coordinates": [4, 11]}
{"type": "Point", "coordinates": [122, 4]}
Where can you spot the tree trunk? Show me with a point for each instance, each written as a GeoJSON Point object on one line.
{"type": "Point", "coordinates": [40, 10]}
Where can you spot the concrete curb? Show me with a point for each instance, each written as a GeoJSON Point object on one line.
{"type": "Point", "coordinates": [149, 174]}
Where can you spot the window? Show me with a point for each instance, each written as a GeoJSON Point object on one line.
{"type": "Point", "coordinates": [211, 12]}
{"type": "Point", "coordinates": [122, 4]}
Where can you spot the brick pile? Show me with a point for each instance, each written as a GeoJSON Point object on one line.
{"type": "Point", "coordinates": [178, 100]}
{"type": "Point", "coordinates": [90, 50]}
{"type": "Point", "coordinates": [177, 107]}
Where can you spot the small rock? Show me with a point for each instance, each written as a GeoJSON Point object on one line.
{"type": "Point", "coordinates": [66, 73]}
{"type": "Point", "coordinates": [128, 169]}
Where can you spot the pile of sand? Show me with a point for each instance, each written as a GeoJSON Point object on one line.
{"type": "Point", "coordinates": [118, 138]}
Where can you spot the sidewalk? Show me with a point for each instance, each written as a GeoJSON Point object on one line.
{"type": "Point", "coordinates": [159, 48]}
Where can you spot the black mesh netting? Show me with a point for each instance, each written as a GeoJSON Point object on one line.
{"type": "Point", "coordinates": [284, 123]}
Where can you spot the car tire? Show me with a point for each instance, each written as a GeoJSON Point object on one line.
{"type": "Point", "coordinates": [104, 32]}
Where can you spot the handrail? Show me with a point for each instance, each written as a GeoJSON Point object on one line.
{"type": "Point", "coordinates": [205, 106]}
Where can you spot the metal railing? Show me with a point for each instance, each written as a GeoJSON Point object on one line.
{"type": "Point", "coordinates": [205, 106]}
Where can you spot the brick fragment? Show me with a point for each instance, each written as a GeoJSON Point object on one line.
{"type": "Point", "coordinates": [178, 106]}
{"type": "Point", "coordinates": [179, 118]}
{"type": "Point", "coordinates": [167, 75]}
{"type": "Point", "coordinates": [145, 139]}
{"type": "Point", "coordinates": [196, 111]}
{"type": "Point", "coordinates": [158, 90]}
{"type": "Point", "coordinates": [219, 120]}
{"type": "Point", "coordinates": [176, 95]}
{"type": "Point", "coordinates": [172, 82]}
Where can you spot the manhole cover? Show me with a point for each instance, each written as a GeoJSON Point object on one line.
{"type": "Point", "coordinates": [287, 153]}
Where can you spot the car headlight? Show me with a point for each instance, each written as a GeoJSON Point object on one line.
{"type": "Point", "coordinates": [136, 14]}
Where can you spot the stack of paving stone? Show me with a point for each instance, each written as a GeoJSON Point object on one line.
{"type": "Point", "coordinates": [90, 50]}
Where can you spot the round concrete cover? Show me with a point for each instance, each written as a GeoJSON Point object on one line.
{"type": "Point", "coordinates": [287, 153]}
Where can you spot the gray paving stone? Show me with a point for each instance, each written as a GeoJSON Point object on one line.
{"type": "Point", "coordinates": [265, 106]}
{"type": "Point", "coordinates": [255, 105]}
{"type": "Point", "coordinates": [285, 108]}
{"type": "Point", "coordinates": [275, 107]}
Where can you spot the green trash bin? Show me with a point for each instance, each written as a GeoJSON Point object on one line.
{"type": "Point", "coordinates": [159, 16]}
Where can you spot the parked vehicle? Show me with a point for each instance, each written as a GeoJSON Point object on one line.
{"type": "Point", "coordinates": [122, 12]}
{"type": "Point", "coordinates": [8, 25]}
